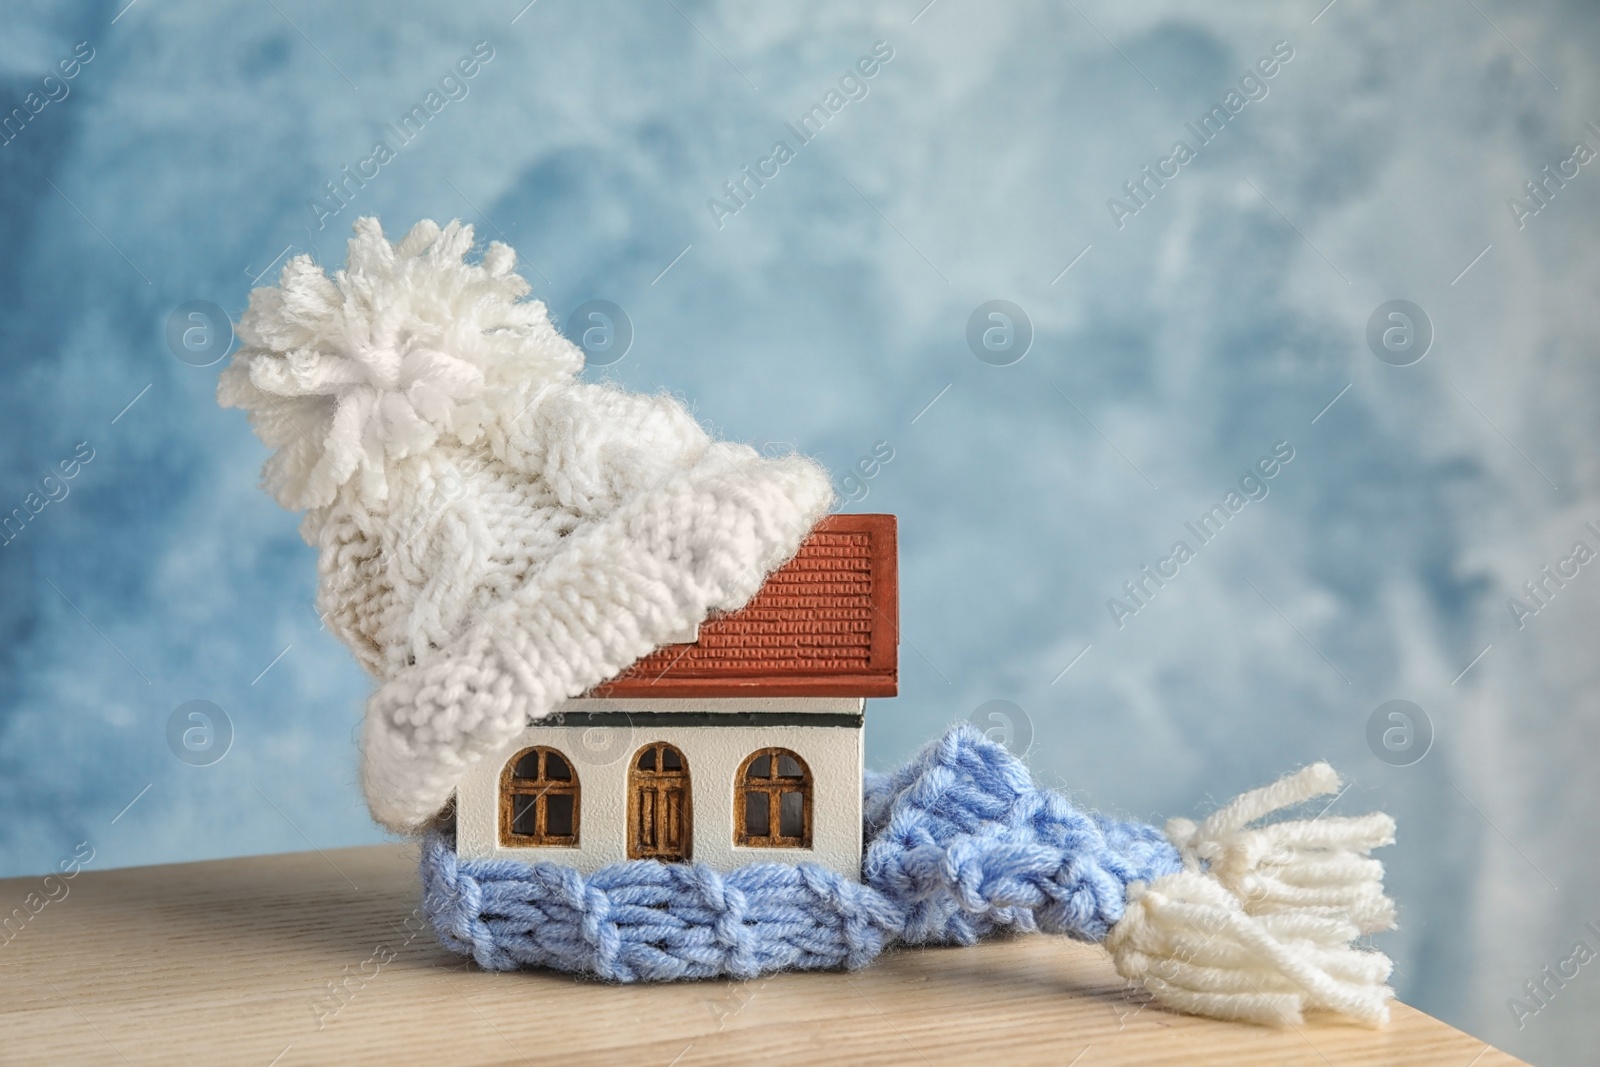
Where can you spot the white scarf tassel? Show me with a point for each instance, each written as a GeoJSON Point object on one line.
{"type": "Point", "coordinates": [1259, 924]}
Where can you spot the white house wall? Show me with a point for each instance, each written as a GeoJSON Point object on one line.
{"type": "Point", "coordinates": [601, 757]}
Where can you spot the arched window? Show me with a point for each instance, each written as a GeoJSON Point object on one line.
{"type": "Point", "coordinates": [772, 801]}
{"type": "Point", "coordinates": [539, 800]}
{"type": "Point", "coordinates": [659, 810]}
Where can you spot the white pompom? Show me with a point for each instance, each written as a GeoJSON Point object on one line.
{"type": "Point", "coordinates": [408, 342]}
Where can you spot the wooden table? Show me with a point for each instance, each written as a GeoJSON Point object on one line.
{"type": "Point", "coordinates": [232, 962]}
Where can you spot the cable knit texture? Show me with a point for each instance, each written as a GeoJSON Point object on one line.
{"type": "Point", "coordinates": [493, 535]}
{"type": "Point", "coordinates": [960, 843]}
{"type": "Point", "coordinates": [1221, 919]}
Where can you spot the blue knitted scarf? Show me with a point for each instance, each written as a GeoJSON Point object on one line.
{"type": "Point", "coordinates": [959, 842]}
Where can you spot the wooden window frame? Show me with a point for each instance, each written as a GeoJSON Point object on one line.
{"type": "Point", "coordinates": [637, 778]}
{"type": "Point", "coordinates": [541, 787]}
{"type": "Point", "coordinates": [773, 786]}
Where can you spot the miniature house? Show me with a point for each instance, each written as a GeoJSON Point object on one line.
{"type": "Point", "coordinates": [742, 745]}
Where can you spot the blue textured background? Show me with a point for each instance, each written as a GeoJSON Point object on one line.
{"type": "Point", "coordinates": [828, 313]}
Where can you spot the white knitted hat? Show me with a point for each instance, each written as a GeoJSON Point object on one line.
{"type": "Point", "coordinates": [493, 535]}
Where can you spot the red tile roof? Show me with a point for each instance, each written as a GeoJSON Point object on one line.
{"type": "Point", "coordinates": [825, 624]}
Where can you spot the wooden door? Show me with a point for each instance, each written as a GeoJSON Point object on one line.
{"type": "Point", "coordinates": [659, 807]}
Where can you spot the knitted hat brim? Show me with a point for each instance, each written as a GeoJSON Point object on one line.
{"type": "Point", "coordinates": [702, 541]}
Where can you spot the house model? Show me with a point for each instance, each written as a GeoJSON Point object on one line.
{"type": "Point", "coordinates": [741, 745]}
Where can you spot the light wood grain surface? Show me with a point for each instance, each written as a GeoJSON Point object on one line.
{"type": "Point", "coordinates": [230, 962]}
